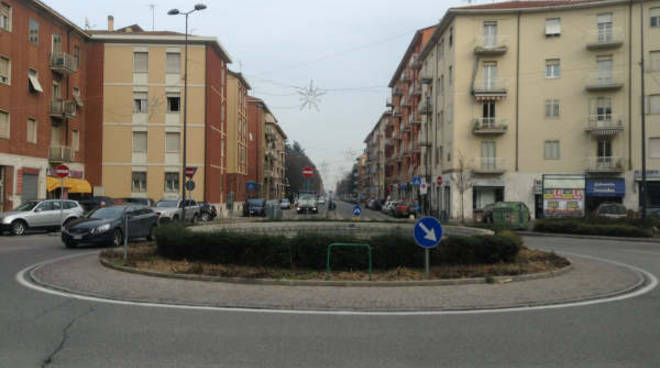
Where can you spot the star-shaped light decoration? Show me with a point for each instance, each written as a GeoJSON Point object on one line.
{"type": "Point", "coordinates": [310, 96]}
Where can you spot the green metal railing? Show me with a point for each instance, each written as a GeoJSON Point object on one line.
{"type": "Point", "coordinates": [359, 245]}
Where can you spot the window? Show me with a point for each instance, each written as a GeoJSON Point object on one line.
{"type": "Point", "coordinates": [4, 124]}
{"type": "Point", "coordinates": [654, 147]}
{"type": "Point", "coordinates": [654, 104]}
{"type": "Point", "coordinates": [442, 84]}
{"type": "Point", "coordinates": [552, 68]}
{"type": "Point", "coordinates": [172, 142]}
{"type": "Point", "coordinates": [604, 150]}
{"type": "Point", "coordinates": [5, 70]}
{"type": "Point", "coordinates": [488, 114]}
{"type": "Point", "coordinates": [488, 156]}
{"type": "Point", "coordinates": [490, 34]}
{"type": "Point", "coordinates": [139, 142]}
{"type": "Point", "coordinates": [140, 62]}
{"type": "Point", "coordinates": [34, 32]}
{"type": "Point", "coordinates": [553, 27]}
{"type": "Point", "coordinates": [31, 131]}
{"type": "Point", "coordinates": [57, 44]}
{"type": "Point", "coordinates": [451, 36]}
{"type": "Point", "coordinates": [172, 182]}
{"type": "Point", "coordinates": [450, 76]}
{"type": "Point", "coordinates": [551, 150]}
{"type": "Point", "coordinates": [140, 102]}
{"type": "Point", "coordinates": [655, 17]}
{"type": "Point", "coordinates": [600, 109]}
{"type": "Point", "coordinates": [450, 113]}
{"type": "Point", "coordinates": [604, 25]}
{"type": "Point", "coordinates": [76, 55]}
{"type": "Point", "coordinates": [5, 17]}
{"type": "Point", "coordinates": [75, 140]}
{"type": "Point", "coordinates": [139, 182]}
{"type": "Point", "coordinates": [604, 69]}
{"type": "Point", "coordinates": [76, 97]}
{"type": "Point", "coordinates": [490, 76]}
{"type": "Point", "coordinates": [33, 81]}
{"type": "Point", "coordinates": [654, 61]}
{"type": "Point", "coordinates": [173, 103]}
{"type": "Point", "coordinates": [173, 63]}
{"type": "Point", "coordinates": [551, 109]}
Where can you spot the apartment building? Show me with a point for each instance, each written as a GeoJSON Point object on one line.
{"type": "Point", "coordinates": [257, 111]}
{"type": "Point", "coordinates": [43, 69]}
{"type": "Point", "coordinates": [237, 140]}
{"type": "Point", "coordinates": [404, 156]}
{"type": "Point", "coordinates": [274, 160]}
{"type": "Point", "coordinates": [376, 146]}
{"type": "Point", "coordinates": [135, 135]}
{"type": "Point", "coordinates": [540, 102]}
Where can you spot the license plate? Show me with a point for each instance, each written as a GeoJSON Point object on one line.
{"type": "Point", "coordinates": [77, 237]}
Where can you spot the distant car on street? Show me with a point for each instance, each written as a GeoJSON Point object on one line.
{"type": "Point", "coordinates": [405, 209]}
{"type": "Point", "coordinates": [321, 200]}
{"type": "Point", "coordinates": [172, 210]}
{"type": "Point", "coordinates": [255, 207]}
{"type": "Point", "coordinates": [390, 208]}
{"type": "Point", "coordinates": [207, 211]}
{"type": "Point", "coordinates": [107, 225]}
{"type": "Point", "coordinates": [285, 204]}
{"type": "Point", "coordinates": [94, 202]}
{"type": "Point", "coordinates": [40, 214]}
{"type": "Point", "coordinates": [136, 201]}
{"type": "Point", "coordinates": [611, 210]}
{"type": "Point", "coordinates": [307, 204]}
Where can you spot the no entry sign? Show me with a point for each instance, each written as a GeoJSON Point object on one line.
{"type": "Point", "coordinates": [190, 172]}
{"type": "Point", "coordinates": [62, 171]}
{"type": "Point", "coordinates": [308, 172]}
{"type": "Point", "coordinates": [439, 180]}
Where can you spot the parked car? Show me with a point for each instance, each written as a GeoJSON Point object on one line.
{"type": "Point", "coordinates": [40, 214]}
{"type": "Point", "coordinates": [172, 210]}
{"type": "Point", "coordinates": [107, 226]}
{"type": "Point", "coordinates": [207, 211]}
{"type": "Point", "coordinates": [405, 209]}
{"type": "Point", "coordinates": [307, 204]}
{"type": "Point", "coordinates": [136, 201]}
{"type": "Point", "coordinates": [91, 203]}
{"type": "Point", "coordinates": [255, 207]}
{"type": "Point", "coordinates": [285, 204]}
{"type": "Point", "coordinates": [321, 200]}
{"type": "Point", "coordinates": [390, 208]}
{"type": "Point", "coordinates": [611, 210]}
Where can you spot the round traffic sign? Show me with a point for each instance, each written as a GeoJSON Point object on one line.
{"type": "Point", "coordinates": [308, 172]}
{"type": "Point", "coordinates": [439, 180]}
{"type": "Point", "coordinates": [428, 232]}
{"type": "Point", "coordinates": [62, 171]}
{"type": "Point", "coordinates": [190, 185]}
{"type": "Point", "coordinates": [357, 211]}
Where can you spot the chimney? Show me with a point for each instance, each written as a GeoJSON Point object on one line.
{"type": "Point", "coordinates": [111, 23]}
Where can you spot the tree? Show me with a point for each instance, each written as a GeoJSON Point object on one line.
{"type": "Point", "coordinates": [463, 181]}
{"type": "Point", "coordinates": [296, 161]}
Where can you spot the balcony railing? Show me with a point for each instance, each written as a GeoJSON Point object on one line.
{"type": "Point", "coordinates": [490, 165]}
{"type": "Point", "coordinates": [60, 154]}
{"type": "Point", "coordinates": [426, 76]}
{"type": "Point", "coordinates": [425, 108]}
{"type": "Point", "coordinates": [63, 108]}
{"type": "Point", "coordinates": [491, 88]}
{"type": "Point", "coordinates": [415, 62]}
{"type": "Point", "coordinates": [397, 91]}
{"type": "Point", "coordinates": [605, 38]}
{"type": "Point", "coordinates": [417, 89]}
{"type": "Point", "coordinates": [605, 164]}
{"type": "Point", "coordinates": [490, 46]}
{"type": "Point", "coordinates": [64, 63]}
{"type": "Point", "coordinates": [483, 126]}
{"type": "Point", "coordinates": [604, 81]}
{"type": "Point", "coordinates": [604, 125]}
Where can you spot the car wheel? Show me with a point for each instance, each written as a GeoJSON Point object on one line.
{"type": "Point", "coordinates": [205, 217]}
{"type": "Point", "coordinates": [152, 234]}
{"type": "Point", "coordinates": [18, 227]}
{"type": "Point", "coordinates": [117, 238]}
{"type": "Point", "coordinates": [175, 218]}
{"type": "Point", "coordinates": [194, 219]}
{"type": "Point", "coordinates": [68, 221]}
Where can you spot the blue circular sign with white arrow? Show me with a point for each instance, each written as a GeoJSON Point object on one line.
{"type": "Point", "coordinates": [428, 232]}
{"type": "Point", "coordinates": [357, 211]}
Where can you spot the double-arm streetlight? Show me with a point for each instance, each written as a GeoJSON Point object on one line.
{"type": "Point", "coordinates": [198, 7]}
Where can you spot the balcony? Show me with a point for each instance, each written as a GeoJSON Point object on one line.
{"type": "Point", "coordinates": [605, 39]}
{"type": "Point", "coordinates": [417, 89]}
{"type": "Point", "coordinates": [426, 76]}
{"type": "Point", "coordinates": [598, 82]}
{"type": "Point", "coordinates": [388, 102]}
{"type": "Point", "coordinates": [604, 125]}
{"type": "Point", "coordinates": [490, 90]}
{"type": "Point", "coordinates": [605, 165]}
{"type": "Point", "coordinates": [415, 61]}
{"type": "Point", "coordinates": [490, 46]}
{"type": "Point", "coordinates": [60, 154]}
{"type": "Point", "coordinates": [414, 120]}
{"type": "Point", "coordinates": [405, 101]}
{"type": "Point", "coordinates": [63, 63]}
{"type": "Point", "coordinates": [63, 109]}
{"type": "Point", "coordinates": [388, 142]}
{"type": "Point", "coordinates": [490, 166]}
{"type": "Point", "coordinates": [489, 126]}
{"type": "Point", "coordinates": [425, 108]}
{"type": "Point", "coordinates": [405, 77]}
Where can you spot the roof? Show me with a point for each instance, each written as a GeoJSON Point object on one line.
{"type": "Point", "coordinates": [259, 101]}
{"type": "Point", "coordinates": [240, 77]}
{"type": "Point", "coordinates": [422, 36]}
{"type": "Point", "coordinates": [526, 4]}
{"type": "Point", "coordinates": [59, 16]}
{"type": "Point", "coordinates": [279, 129]}
{"type": "Point", "coordinates": [371, 133]}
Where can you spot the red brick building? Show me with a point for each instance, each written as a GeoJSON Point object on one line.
{"type": "Point", "coordinates": [257, 110]}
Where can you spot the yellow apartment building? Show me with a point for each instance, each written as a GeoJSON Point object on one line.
{"type": "Point", "coordinates": [274, 159]}
{"type": "Point", "coordinates": [237, 139]}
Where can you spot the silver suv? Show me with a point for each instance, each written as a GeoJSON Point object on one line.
{"type": "Point", "coordinates": [43, 214]}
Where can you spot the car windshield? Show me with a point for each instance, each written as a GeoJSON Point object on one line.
{"type": "Point", "coordinates": [167, 203]}
{"type": "Point", "coordinates": [256, 202]}
{"type": "Point", "coordinates": [306, 197]}
{"type": "Point", "coordinates": [106, 213]}
{"type": "Point", "coordinates": [27, 206]}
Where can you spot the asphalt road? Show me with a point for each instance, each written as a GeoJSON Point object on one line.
{"type": "Point", "coordinates": [38, 329]}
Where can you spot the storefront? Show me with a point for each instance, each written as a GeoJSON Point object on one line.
{"type": "Point", "coordinates": [563, 195]}
{"type": "Point", "coordinates": [604, 190]}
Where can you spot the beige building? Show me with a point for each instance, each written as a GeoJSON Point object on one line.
{"type": "Point", "coordinates": [519, 91]}
{"type": "Point", "coordinates": [141, 127]}
{"type": "Point", "coordinates": [375, 141]}
{"type": "Point", "coordinates": [237, 138]}
{"type": "Point", "coordinates": [274, 159]}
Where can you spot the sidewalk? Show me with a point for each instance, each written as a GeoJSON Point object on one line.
{"type": "Point", "coordinates": [595, 237]}
{"type": "Point", "coordinates": [588, 279]}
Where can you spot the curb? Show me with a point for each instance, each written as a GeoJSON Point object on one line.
{"type": "Point", "coordinates": [238, 280]}
{"type": "Point", "coordinates": [594, 237]}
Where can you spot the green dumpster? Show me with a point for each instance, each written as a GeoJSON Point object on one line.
{"type": "Point", "coordinates": [511, 215]}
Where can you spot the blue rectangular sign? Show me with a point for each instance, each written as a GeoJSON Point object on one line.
{"type": "Point", "coordinates": [606, 188]}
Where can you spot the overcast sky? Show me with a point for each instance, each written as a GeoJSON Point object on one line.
{"type": "Point", "coordinates": [348, 47]}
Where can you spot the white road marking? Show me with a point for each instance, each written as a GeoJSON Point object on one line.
{"type": "Point", "coordinates": [651, 279]}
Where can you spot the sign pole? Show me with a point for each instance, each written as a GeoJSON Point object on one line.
{"type": "Point", "coordinates": [427, 262]}
{"type": "Point", "coordinates": [125, 234]}
{"type": "Point", "coordinates": [61, 202]}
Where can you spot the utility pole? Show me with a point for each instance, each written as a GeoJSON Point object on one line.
{"type": "Point", "coordinates": [644, 189]}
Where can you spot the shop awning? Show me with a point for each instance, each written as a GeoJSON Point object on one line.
{"type": "Point", "coordinates": [73, 185]}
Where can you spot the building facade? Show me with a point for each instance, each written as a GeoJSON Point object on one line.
{"type": "Point", "coordinates": [376, 145]}
{"type": "Point", "coordinates": [257, 111]}
{"type": "Point", "coordinates": [519, 92]}
{"type": "Point", "coordinates": [138, 129]}
{"type": "Point", "coordinates": [237, 140]}
{"type": "Point", "coordinates": [274, 160]}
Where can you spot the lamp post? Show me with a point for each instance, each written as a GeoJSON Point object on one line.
{"type": "Point", "coordinates": [198, 7]}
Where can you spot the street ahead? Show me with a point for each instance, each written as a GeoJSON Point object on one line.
{"type": "Point", "coordinates": [38, 328]}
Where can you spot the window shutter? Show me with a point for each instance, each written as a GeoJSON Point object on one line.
{"type": "Point", "coordinates": [139, 142]}
{"type": "Point", "coordinates": [141, 61]}
{"type": "Point", "coordinates": [172, 142]}
{"type": "Point", "coordinates": [173, 63]}
{"type": "Point", "coordinates": [604, 18]}
{"type": "Point", "coordinates": [553, 26]}
{"type": "Point", "coordinates": [4, 124]}
{"type": "Point", "coordinates": [654, 104]}
{"type": "Point", "coordinates": [654, 147]}
{"type": "Point", "coordinates": [4, 67]}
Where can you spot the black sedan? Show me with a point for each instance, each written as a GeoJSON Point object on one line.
{"type": "Point", "coordinates": [255, 207]}
{"type": "Point", "coordinates": [106, 225]}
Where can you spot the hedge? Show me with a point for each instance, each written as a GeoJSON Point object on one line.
{"type": "Point", "coordinates": [576, 226]}
{"type": "Point", "coordinates": [308, 250]}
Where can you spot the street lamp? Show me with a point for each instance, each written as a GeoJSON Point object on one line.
{"type": "Point", "coordinates": [197, 7]}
